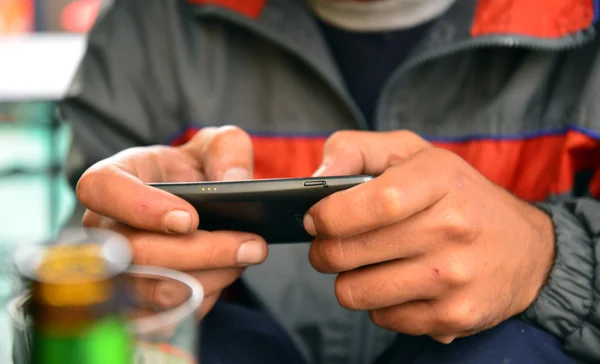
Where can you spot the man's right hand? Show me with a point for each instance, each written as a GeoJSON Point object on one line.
{"type": "Point", "coordinates": [162, 228]}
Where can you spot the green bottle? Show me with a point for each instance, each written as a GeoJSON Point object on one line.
{"type": "Point", "coordinates": [78, 303]}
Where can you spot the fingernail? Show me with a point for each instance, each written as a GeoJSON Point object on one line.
{"type": "Point", "coordinates": [178, 221]}
{"type": "Point", "coordinates": [236, 174]}
{"type": "Point", "coordinates": [251, 252]}
{"type": "Point", "coordinates": [320, 170]}
{"type": "Point", "coordinates": [309, 225]}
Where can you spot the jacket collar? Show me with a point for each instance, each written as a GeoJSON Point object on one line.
{"type": "Point", "coordinates": [555, 25]}
{"type": "Point", "coordinates": [548, 25]}
{"type": "Point", "coordinates": [291, 25]}
{"type": "Point", "coordinates": [547, 19]}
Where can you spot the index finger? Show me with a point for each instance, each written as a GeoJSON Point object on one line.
{"type": "Point", "coordinates": [111, 191]}
{"type": "Point", "coordinates": [353, 152]}
{"type": "Point", "coordinates": [400, 192]}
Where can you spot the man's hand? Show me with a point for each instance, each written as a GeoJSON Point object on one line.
{"type": "Point", "coordinates": [430, 246]}
{"type": "Point", "coordinates": [162, 228]}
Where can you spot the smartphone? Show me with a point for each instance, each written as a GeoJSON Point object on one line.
{"type": "Point", "coordinates": [271, 208]}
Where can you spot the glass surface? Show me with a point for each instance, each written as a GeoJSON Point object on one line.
{"type": "Point", "coordinates": [36, 198]}
{"type": "Point", "coordinates": [163, 327]}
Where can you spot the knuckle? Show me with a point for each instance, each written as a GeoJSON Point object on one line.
{"type": "Point", "coordinates": [91, 219]}
{"type": "Point", "coordinates": [95, 179]}
{"type": "Point", "coordinates": [443, 155]}
{"type": "Point", "coordinates": [386, 319]}
{"type": "Point", "coordinates": [344, 293]}
{"type": "Point", "coordinates": [455, 165]}
{"type": "Point", "coordinates": [231, 129]}
{"type": "Point", "coordinates": [390, 200]}
{"type": "Point", "coordinates": [457, 226]}
{"type": "Point", "coordinates": [407, 134]}
{"type": "Point", "coordinates": [142, 247]}
{"type": "Point", "coordinates": [340, 139]}
{"type": "Point", "coordinates": [86, 186]}
{"type": "Point", "coordinates": [88, 219]}
{"type": "Point", "coordinates": [149, 291]}
{"type": "Point", "coordinates": [379, 318]}
{"type": "Point", "coordinates": [204, 136]}
{"type": "Point", "coordinates": [412, 143]}
{"type": "Point", "coordinates": [459, 316]}
{"type": "Point", "coordinates": [210, 255]}
{"type": "Point", "coordinates": [162, 292]}
{"type": "Point", "coordinates": [232, 132]}
{"type": "Point", "coordinates": [397, 320]}
{"type": "Point", "coordinates": [331, 254]}
{"type": "Point", "coordinates": [324, 221]}
{"type": "Point", "coordinates": [458, 273]}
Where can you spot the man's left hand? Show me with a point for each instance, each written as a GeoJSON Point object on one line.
{"type": "Point", "coordinates": [430, 246]}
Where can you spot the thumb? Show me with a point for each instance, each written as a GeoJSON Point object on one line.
{"type": "Point", "coordinates": [367, 152]}
{"type": "Point", "coordinates": [223, 153]}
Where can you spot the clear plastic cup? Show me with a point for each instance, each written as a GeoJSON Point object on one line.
{"type": "Point", "coordinates": [165, 333]}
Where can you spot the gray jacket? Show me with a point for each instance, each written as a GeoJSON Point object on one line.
{"type": "Point", "coordinates": [496, 89]}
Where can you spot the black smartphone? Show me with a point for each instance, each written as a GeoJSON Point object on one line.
{"type": "Point", "coordinates": [271, 208]}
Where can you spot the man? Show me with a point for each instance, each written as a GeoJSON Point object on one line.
{"type": "Point", "coordinates": [481, 226]}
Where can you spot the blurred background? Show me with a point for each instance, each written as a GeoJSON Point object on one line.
{"type": "Point", "coordinates": [41, 40]}
{"type": "Point", "coordinates": [41, 43]}
{"type": "Point", "coordinates": [25, 16]}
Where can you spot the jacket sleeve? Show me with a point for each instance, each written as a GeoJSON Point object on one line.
{"type": "Point", "coordinates": [569, 304]}
{"type": "Point", "coordinates": [115, 100]}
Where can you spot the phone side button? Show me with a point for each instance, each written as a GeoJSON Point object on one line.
{"type": "Point", "coordinates": [314, 183]}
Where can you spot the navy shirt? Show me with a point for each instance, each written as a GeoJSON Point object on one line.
{"type": "Point", "coordinates": [367, 59]}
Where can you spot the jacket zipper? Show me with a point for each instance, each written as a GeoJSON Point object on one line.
{"type": "Point", "coordinates": [364, 351]}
